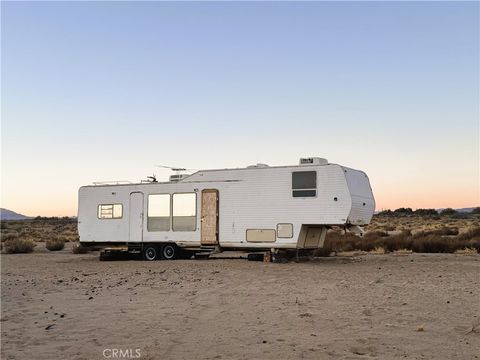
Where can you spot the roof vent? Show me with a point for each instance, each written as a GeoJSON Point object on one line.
{"type": "Point", "coordinates": [313, 161]}
{"type": "Point", "coordinates": [259, 165]}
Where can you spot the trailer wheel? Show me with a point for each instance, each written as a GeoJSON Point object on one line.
{"type": "Point", "coordinates": [169, 251]}
{"type": "Point", "coordinates": [150, 253]}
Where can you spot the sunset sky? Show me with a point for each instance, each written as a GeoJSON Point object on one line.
{"type": "Point", "coordinates": [97, 91]}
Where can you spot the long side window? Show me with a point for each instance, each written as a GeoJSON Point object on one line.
{"type": "Point", "coordinates": [184, 212]}
{"type": "Point", "coordinates": [158, 212]}
{"type": "Point", "coordinates": [110, 211]}
{"type": "Point", "coordinates": [304, 183]}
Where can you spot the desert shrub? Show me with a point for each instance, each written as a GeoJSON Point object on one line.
{"type": "Point", "coordinates": [19, 245]}
{"type": "Point", "coordinates": [403, 212]}
{"type": "Point", "coordinates": [6, 236]}
{"type": "Point", "coordinates": [372, 235]}
{"type": "Point", "coordinates": [448, 211]}
{"type": "Point", "coordinates": [470, 239]}
{"type": "Point", "coordinates": [324, 251]}
{"type": "Point", "coordinates": [470, 234]}
{"type": "Point", "coordinates": [397, 241]}
{"type": "Point", "coordinates": [78, 248]}
{"type": "Point", "coordinates": [444, 231]}
{"type": "Point", "coordinates": [337, 241]}
{"type": "Point", "coordinates": [388, 228]}
{"type": "Point", "coordinates": [449, 231]}
{"type": "Point", "coordinates": [425, 212]}
{"type": "Point", "coordinates": [55, 244]}
{"type": "Point", "coordinates": [441, 240]}
{"type": "Point", "coordinates": [460, 215]}
{"type": "Point", "coordinates": [428, 243]}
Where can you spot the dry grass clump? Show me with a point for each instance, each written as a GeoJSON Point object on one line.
{"type": "Point", "coordinates": [6, 236]}
{"type": "Point", "coordinates": [403, 252]}
{"type": "Point", "coordinates": [466, 251]}
{"type": "Point", "coordinates": [18, 245]}
{"type": "Point", "coordinates": [55, 244]}
{"type": "Point", "coordinates": [378, 251]}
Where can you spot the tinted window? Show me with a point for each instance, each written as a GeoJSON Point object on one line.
{"type": "Point", "coordinates": [304, 180]}
{"type": "Point", "coordinates": [304, 183]}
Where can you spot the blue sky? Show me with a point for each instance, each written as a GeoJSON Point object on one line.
{"type": "Point", "coordinates": [105, 90]}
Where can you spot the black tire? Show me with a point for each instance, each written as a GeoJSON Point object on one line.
{"type": "Point", "coordinates": [150, 253]}
{"type": "Point", "coordinates": [169, 251]}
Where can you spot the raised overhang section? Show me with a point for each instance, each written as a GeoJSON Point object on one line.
{"type": "Point", "coordinates": [363, 201]}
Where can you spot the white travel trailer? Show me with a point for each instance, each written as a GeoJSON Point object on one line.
{"type": "Point", "coordinates": [255, 208]}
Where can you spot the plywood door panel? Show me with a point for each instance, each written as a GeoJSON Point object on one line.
{"type": "Point", "coordinates": [209, 217]}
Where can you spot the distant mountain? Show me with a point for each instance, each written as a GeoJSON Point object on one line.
{"type": "Point", "coordinates": [465, 210]}
{"type": "Point", "coordinates": [461, 210]}
{"type": "Point", "coordinates": [6, 214]}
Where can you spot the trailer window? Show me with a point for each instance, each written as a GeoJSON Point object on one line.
{"type": "Point", "coordinates": [110, 211]}
{"type": "Point", "coordinates": [158, 212]}
{"type": "Point", "coordinates": [184, 212]}
{"type": "Point", "coordinates": [304, 183]}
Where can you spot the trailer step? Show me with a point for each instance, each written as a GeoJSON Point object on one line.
{"type": "Point", "coordinates": [207, 250]}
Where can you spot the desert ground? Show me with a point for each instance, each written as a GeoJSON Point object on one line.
{"type": "Point", "coordinates": [60, 305]}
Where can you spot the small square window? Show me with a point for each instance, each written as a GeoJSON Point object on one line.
{"type": "Point", "coordinates": [110, 211]}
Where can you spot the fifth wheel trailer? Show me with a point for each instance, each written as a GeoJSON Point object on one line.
{"type": "Point", "coordinates": [254, 208]}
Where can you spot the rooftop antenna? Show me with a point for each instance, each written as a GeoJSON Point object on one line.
{"type": "Point", "coordinates": [176, 169]}
{"type": "Point", "coordinates": [152, 178]}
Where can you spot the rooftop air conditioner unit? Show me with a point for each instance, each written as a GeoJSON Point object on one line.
{"type": "Point", "coordinates": [177, 177]}
{"type": "Point", "coordinates": [313, 161]}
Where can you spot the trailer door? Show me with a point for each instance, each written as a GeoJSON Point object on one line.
{"type": "Point", "coordinates": [136, 217]}
{"type": "Point", "coordinates": [209, 218]}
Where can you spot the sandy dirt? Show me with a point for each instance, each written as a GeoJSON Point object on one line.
{"type": "Point", "coordinates": [66, 306]}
